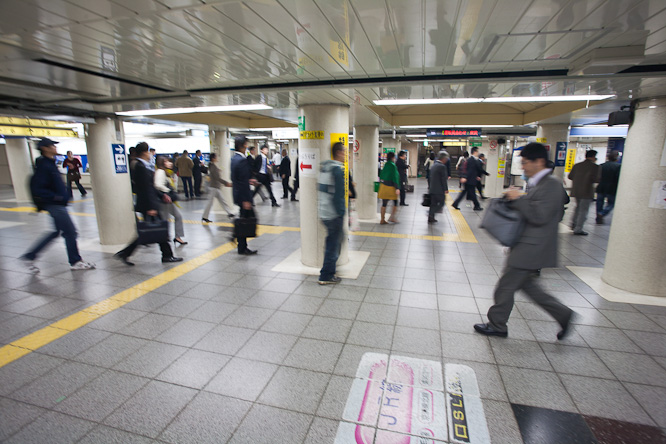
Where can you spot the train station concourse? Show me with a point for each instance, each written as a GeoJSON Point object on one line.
{"type": "Point", "coordinates": [125, 124]}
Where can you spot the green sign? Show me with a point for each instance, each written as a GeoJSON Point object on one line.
{"type": "Point", "coordinates": [301, 123]}
{"type": "Point", "coordinates": [388, 150]}
{"type": "Point", "coordinates": [475, 143]}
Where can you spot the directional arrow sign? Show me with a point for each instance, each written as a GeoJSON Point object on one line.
{"type": "Point", "coordinates": [309, 161]}
{"type": "Point", "coordinates": [305, 166]}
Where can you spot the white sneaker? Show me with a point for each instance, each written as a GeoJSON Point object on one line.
{"type": "Point", "coordinates": [30, 266]}
{"type": "Point", "coordinates": [82, 265]}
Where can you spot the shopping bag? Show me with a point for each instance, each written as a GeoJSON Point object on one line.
{"type": "Point", "coordinates": [152, 230]}
{"type": "Point", "coordinates": [426, 200]}
{"type": "Point", "coordinates": [245, 227]}
{"type": "Point", "coordinates": [503, 222]}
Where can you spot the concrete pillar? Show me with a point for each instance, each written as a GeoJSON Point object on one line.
{"type": "Point", "coordinates": [554, 133]}
{"type": "Point", "coordinates": [219, 144]}
{"type": "Point", "coordinates": [20, 167]}
{"type": "Point", "coordinates": [365, 171]}
{"type": "Point", "coordinates": [325, 121]}
{"type": "Point", "coordinates": [637, 245]}
{"type": "Point", "coordinates": [113, 191]}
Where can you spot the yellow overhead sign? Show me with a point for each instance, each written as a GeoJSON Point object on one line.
{"type": "Point", "coordinates": [36, 132]}
{"type": "Point", "coordinates": [4, 120]}
{"type": "Point", "coordinates": [312, 134]}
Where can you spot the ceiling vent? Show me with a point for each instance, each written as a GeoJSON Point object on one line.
{"type": "Point", "coordinates": [606, 61]}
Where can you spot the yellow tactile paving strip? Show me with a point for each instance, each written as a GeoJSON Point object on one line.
{"type": "Point", "coordinates": [463, 231]}
{"type": "Point", "coordinates": [58, 329]}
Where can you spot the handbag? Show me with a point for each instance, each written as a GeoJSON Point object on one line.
{"type": "Point", "coordinates": [426, 200]}
{"type": "Point", "coordinates": [152, 230]}
{"type": "Point", "coordinates": [245, 227]}
{"type": "Point", "coordinates": [503, 222]}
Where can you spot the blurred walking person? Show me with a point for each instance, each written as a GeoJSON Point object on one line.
{"type": "Point", "coordinates": [215, 188]}
{"type": "Point", "coordinates": [185, 166]}
{"type": "Point", "coordinates": [73, 166]}
{"type": "Point", "coordinates": [332, 210]}
{"type": "Point", "coordinates": [389, 188]}
{"type": "Point", "coordinates": [164, 184]}
{"type": "Point", "coordinates": [439, 187]}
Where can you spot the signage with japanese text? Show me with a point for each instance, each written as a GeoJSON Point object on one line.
{"type": "Point", "coordinates": [119, 157]}
{"type": "Point", "coordinates": [454, 132]}
{"type": "Point", "coordinates": [561, 153]}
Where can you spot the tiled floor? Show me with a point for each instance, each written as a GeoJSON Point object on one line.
{"type": "Point", "coordinates": [234, 352]}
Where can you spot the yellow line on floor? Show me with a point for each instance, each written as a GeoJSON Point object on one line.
{"type": "Point", "coordinates": [58, 329]}
{"type": "Point", "coordinates": [463, 231]}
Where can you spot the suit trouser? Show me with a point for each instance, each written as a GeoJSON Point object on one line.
{"type": "Point", "coordinates": [403, 191]}
{"type": "Point", "coordinates": [470, 192]}
{"type": "Point", "coordinates": [197, 183]}
{"type": "Point", "coordinates": [580, 215]}
{"type": "Point", "coordinates": [165, 247]}
{"type": "Point", "coordinates": [515, 279]}
{"type": "Point", "coordinates": [216, 193]}
{"type": "Point", "coordinates": [479, 187]}
{"type": "Point", "coordinates": [601, 197]}
{"type": "Point", "coordinates": [167, 209]}
{"type": "Point", "coordinates": [242, 241]}
{"type": "Point", "coordinates": [265, 180]}
{"type": "Point", "coordinates": [286, 189]}
{"type": "Point", "coordinates": [187, 186]}
{"type": "Point", "coordinates": [436, 204]}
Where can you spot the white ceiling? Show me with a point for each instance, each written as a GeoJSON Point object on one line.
{"type": "Point", "coordinates": [115, 55]}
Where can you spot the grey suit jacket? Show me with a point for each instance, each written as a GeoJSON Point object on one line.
{"type": "Point", "coordinates": [542, 208]}
{"type": "Point", "coordinates": [438, 178]}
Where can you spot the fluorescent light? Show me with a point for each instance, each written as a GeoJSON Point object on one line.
{"type": "Point", "coordinates": [200, 109]}
{"type": "Point", "coordinates": [256, 137]}
{"type": "Point", "coordinates": [424, 101]}
{"type": "Point", "coordinates": [471, 125]}
{"type": "Point", "coordinates": [415, 135]}
{"type": "Point", "coordinates": [571, 98]}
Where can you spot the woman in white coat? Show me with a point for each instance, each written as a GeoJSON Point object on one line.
{"type": "Point", "coordinates": [165, 184]}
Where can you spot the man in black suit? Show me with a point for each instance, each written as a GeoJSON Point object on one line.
{"type": "Point", "coordinates": [147, 202]}
{"type": "Point", "coordinates": [439, 186]}
{"type": "Point", "coordinates": [241, 177]}
{"type": "Point", "coordinates": [402, 165]}
{"type": "Point", "coordinates": [285, 174]}
{"type": "Point", "coordinates": [473, 172]}
{"type": "Point", "coordinates": [264, 173]}
{"type": "Point", "coordinates": [196, 173]}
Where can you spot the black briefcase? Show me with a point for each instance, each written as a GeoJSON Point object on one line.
{"type": "Point", "coordinates": [245, 227]}
{"type": "Point", "coordinates": [152, 230]}
{"type": "Point", "coordinates": [426, 200]}
{"type": "Point", "coordinates": [503, 223]}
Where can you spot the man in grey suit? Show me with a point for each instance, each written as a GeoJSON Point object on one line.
{"type": "Point", "coordinates": [542, 208]}
{"type": "Point", "coordinates": [439, 188]}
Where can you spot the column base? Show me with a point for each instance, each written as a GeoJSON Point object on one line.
{"type": "Point", "coordinates": [350, 270]}
{"type": "Point", "coordinates": [592, 277]}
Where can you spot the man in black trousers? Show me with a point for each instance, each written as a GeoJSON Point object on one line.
{"type": "Point", "coordinates": [147, 202]}
{"type": "Point", "coordinates": [402, 165]}
{"type": "Point", "coordinates": [473, 173]}
{"type": "Point", "coordinates": [264, 174]}
{"type": "Point", "coordinates": [285, 174]}
{"type": "Point", "coordinates": [241, 177]}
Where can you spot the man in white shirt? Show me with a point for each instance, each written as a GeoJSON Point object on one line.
{"type": "Point", "coordinates": [277, 160]}
{"type": "Point", "coordinates": [263, 176]}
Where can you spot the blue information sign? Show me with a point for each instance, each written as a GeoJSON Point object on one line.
{"type": "Point", "coordinates": [561, 153]}
{"type": "Point", "coordinates": [119, 157]}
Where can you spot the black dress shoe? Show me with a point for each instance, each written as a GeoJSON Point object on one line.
{"type": "Point", "coordinates": [432, 220]}
{"type": "Point", "coordinates": [478, 209]}
{"type": "Point", "coordinates": [208, 221]}
{"type": "Point", "coordinates": [486, 329]}
{"type": "Point", "coordinates": [565, 327]}
{"type": "Point", "coordinates": [457, 208]}
{"type": "Point", "coordinates": [247, 252]}
{"type": "Point", "coordinates": [581, 233]}
{"type": "Point", "coordinates": [275, 204]}
{"type": "Point", "coordinates": [166, 260]}
{"type": "Point", "coordinates": [404, 205]}
{"type": "Point", "coordinates": [294, 199]}
{"type": "Point", "coordinates": [122, 258]}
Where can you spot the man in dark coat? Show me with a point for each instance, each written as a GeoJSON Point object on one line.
{"type": "Point", "coordinates": [439, 187]}
{"type": "Point", "coordinates": [50, 194]}
{"type": "Point", "coordinates": [285, 174]}
{"type": "Point", "coordinates": [542, 209]}
{"type": "Point", "coordinates": [583, 175]}
{"type": "Point", "coordinates": [196, 173]}
{"type": "Point", "coordinates": [607, 188]}
{"type": "Point", "coordinates": [241, 178]}
{"type": "Point", "coordinates": [147, 203]}
{"type": "Point", "coordinates": [402, 166]}
{"type": "Point", "coordinates": [472, 175]}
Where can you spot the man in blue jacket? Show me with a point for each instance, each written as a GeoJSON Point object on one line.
{"type": "Point", "coordinates": [332, 210]}
{"type": "Point", "coordinates": [50, 194]}
{"type": "Point", "coordinates": [241, 178]}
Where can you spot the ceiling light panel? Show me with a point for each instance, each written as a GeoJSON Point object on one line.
{"type": "Point", "coordinates": [201, 109]}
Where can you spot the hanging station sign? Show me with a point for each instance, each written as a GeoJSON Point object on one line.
{"type": "Point", "coordinates": [454, 132]}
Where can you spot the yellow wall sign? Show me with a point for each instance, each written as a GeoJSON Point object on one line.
{"type": "Point", "coordinates": [542, 140]}
{"type": "Point", "coordinates": [571, 160]}
{"type": "Point", "coordinates": [343, 138]}
{"type": "Point", "coordinates": [312, 135]}
{"type": "Point", "coordinates": [36, 132]}
{"type": "Point", "coordinates": [501, 167]}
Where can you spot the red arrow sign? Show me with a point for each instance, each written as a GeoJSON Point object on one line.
{"type": "Point", "coordinates": [305, 166]}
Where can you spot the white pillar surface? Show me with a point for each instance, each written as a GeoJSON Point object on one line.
{"type": "Point", "coordinates": [637, 245]}
{"type": "Point", "coordinates": [219, 145]}
{"type": "Point", "coordinates": [365, 171]}
{"type": "Point", "coordinates": [20, 167]}
{"type": "Point", "coordinates": [293, 157]}
{"type": "Point", "coordinates": [113, 191]}
{"type": "Point", "coordinates": [554, 133]}
{"type": "Point", "coordinates": [330, 119]}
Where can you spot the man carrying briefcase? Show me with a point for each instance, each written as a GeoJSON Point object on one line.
{"type": "Point", "coordinates": [241, 177]}
{"type": "Point", "coordinates": [147, 203]}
